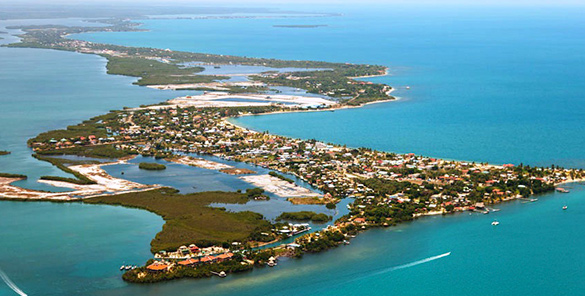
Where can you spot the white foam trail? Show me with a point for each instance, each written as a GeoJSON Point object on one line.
{"type": "Point", "coordinates": [413, 263]}
{"type": "Point", "coordinates": [11, 284]}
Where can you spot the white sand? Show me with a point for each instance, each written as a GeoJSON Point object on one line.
{"type": "Point", "coordinates": [201, 163]}
{"type": "Point", "coordinates": [214, 100]}
{"type": "Point", "coordinates": [279, 187]}
{"type": "Point", "coordinates": [106, 185]}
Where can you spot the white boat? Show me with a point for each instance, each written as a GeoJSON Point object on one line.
{"type": "Point", "coordinates": [122, 267]}
{"type": "Point", "coordinates": [128, 267]}
{"type": "Point", "coordinates": [495, 223]}
{"type": "Point", "coordinates": [564, 207]}
{"type": "Point", "coordinates": [222, 274]}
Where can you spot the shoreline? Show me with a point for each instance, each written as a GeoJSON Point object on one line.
{"type": "Point", "coordinates": [331, 109]}
{"type": "Point", "coordinates": [106, 185]}
{"type": "Point", "coordinates": [430, 213]}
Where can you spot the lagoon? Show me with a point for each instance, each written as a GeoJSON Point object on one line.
{"type": "Point", "coordinates": [519, 101]}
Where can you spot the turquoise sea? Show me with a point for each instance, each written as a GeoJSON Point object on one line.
{"type": "Point", "coordinates": [486, 84]}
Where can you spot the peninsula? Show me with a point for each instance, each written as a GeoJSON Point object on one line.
{"type": "Point", "coordinates": [200, 241]}
{"type": "Point", "coordinates": [166, 68]}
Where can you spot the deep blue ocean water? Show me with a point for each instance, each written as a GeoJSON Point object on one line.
{"type": "Point", "coordinates": [487, 84]}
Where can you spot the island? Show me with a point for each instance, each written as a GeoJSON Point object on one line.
{"type": "Point", "coordinates": [198, 240]}
{"type": "Point", "coordinates": [151, 166]}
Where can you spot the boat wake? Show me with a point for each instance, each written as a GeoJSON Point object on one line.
{"type": "Point", "coordinates": [11, 284]}
{"type": "Point", "coordinates": [415, 263]}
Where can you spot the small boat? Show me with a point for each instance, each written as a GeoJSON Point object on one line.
{"type": "Point", "coordinates": [216, 67]}
{"type": "Point", "coordinates": [134, 267]}
{"type": "Point", "coordinates": [562, 190]}
{"type": "Point", "coordinates": [222, 274]}
{"type": "Point", "coordinates": [564, 207]}
{"type": "Point", "coordinates": [271, 263]}
{"type": "Point", "coordinates": [346, 242]}
{"type": "Point", "coordinates": [128, 267]}
{"type": "Point", "coordinates": [408, 87]}
{"type": "Point", "coordinates": [495, 223]}
{"type": "Point", "coordinates": [122, 267]}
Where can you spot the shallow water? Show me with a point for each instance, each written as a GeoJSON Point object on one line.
{"type": "Point", "coordinates": [188, 179]}
{"type": "Point", "coordinates": [486, 85]}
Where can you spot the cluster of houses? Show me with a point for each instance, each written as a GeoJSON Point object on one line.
{"type": "Point", "coordinates": [374, 178]}
{"type": "Point", "coordinates": [189, 256]}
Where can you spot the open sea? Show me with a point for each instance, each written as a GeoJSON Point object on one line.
{"type": "Point", "coordinates": [492, 84]}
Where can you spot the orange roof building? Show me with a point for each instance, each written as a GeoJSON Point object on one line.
{"type": "Point", "coordinates": [207, 259]}
{"type": "Point", "coordinates": [225, 256]}
{"type": "Point", "coordinates": [189, 261]}
{"type": "Point", "coordinates": [157, 266]}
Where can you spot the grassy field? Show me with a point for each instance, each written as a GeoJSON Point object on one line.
{"type": "Point", "coordinates": [188, 217]}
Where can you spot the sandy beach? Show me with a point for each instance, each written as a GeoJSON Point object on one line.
{"type": "Point", "coordinates": [200, 163]}
{"type": "Point", "coordinates": [279, 187]}
{"type": "Point", "coordinates": [217, 99]}
{"type": "Point", "coordinates": [212, 85]}
{"type": "Point", "coordinates": [106, 185]}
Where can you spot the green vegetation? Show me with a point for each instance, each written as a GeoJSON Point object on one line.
{"type": "Point", "coordinates": [277, 175]}
{"type": "Point", "coordinates": [327, 240]}
{"type": "Point", "coordinates": [334, 83]}
{"type": "Point", "coordinates": [142, 275]}
{"type": "Point", "coordinates": [256, 193]}
{"type": "Point", "coordinates": [2, 152]}
{"type": "Point", "coordinates": [7, 175]}
{"type": "Point", "coordinates": [60, 163]}
{"type": "Point", "coordinates": [157, 66]}
{"type": "Point", "coordinates": [304, 216]}
{"type": "Point", "coordinates": [189, 218]}
{"type": "Point", "coordinates": [152, 72]}
{"type": "Point", "coordinates": [93, 126]}
{"type": "Point", "coordinates": [97, 151]}
{"type": "Point", "coordinates": [151, 166]}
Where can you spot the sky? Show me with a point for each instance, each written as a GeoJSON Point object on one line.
{"type": "Point", "coordinates": [322, 2]}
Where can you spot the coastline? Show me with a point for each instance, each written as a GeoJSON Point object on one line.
{"type": "Point", "coordinates": [106, 185]}
{"type": "Point", "coordinates": [330, 109]}
{"type": "Point", "coordinates": [343, 107]}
